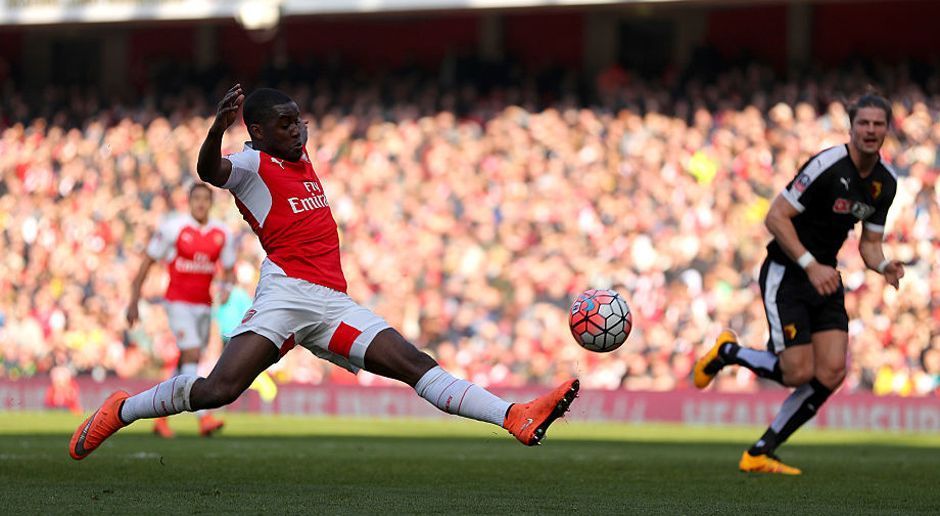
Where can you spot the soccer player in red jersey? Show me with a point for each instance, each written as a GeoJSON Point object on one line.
{"type": "Point", "coordinates": [301, 296]}
{"type": "Point", "coordinates": [193, 248]}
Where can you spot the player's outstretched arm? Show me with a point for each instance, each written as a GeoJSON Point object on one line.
{"type": "Point", "coordinates": [210, 166]}
{"type": "Point", "coordinates": [870, 247]}
{"type": "Point", "coordinates": [132, 314]}
{"type": "Point", "coordinates": [779, 222]}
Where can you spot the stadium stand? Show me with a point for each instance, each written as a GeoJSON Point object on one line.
{"type": "Point", "coordinates": [474, 232]}
{"type": "Point", "coordinates": [471, 212]}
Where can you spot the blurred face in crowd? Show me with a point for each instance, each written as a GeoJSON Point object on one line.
{"type": "Point", "coordinates": [283, 134]}
{"type": "Point", "coordinates": [869, 129]}
{"type": "Point", "coordinates": [200, 201]}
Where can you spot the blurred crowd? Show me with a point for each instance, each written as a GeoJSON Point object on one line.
{"type": "Point", "coordinates": [471, 219]}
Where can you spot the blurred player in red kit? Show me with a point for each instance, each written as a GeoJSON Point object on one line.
{"type": "Point", "coordinates": [301, 296]}
{"type": "Point", "coordinates": [193, 248]}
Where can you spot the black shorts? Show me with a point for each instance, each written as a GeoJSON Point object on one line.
{"type": "Point", "coordinates": [795, 311]}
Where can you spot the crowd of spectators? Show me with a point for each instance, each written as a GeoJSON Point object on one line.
{"type": "Point", "coordinates": [470, 220]}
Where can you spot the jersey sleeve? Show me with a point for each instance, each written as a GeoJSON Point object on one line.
{"type": "Point", "coordinates": [884, 199]}
{"type": "Point", "coordinates": [807, 186]}
{"type": "Point", "coordinates": [244, 164]}
{"type": "Point", "coordinates": [161, 241]}
{"type": "Point", "coordinates": [228, 255]}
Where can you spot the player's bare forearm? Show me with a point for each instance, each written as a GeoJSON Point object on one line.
{"type": "Point", "coordinates": [780, 224]}
{"type": "Point", "coordinates": [141, 276]}
{"type": "Point", "coordinates": [871, 250]}
{"type": "Point", "coordinates": [132, 313]}
{"type": "Point", "coordinates": [210, 166]}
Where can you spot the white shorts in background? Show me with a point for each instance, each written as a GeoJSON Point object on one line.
{"type": "Point", "coordinates": [190, 323]}
{"type": "Point", "coordinates": [290, 311]}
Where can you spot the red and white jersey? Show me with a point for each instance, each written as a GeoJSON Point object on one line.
{"type": "Point", "coordinates": [285, 205]}
{"type": "Point", "coordinates": [192, 252]}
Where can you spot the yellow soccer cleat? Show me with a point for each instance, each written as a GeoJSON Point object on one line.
{"type": "Point", "coordinates": [765, 464]}
{"type": "Point", "coordinates": [709, 364]}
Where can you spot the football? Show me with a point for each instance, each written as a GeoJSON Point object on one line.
{"type": "Point", "coordinates": [600, 320]}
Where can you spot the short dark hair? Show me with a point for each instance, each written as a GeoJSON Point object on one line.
{"type": "Point", "coordinates": [197, 185]}
{"type": "Point", "coordinates": [870, 99]}
{"type": "Point", "coordinates": [259, 103]}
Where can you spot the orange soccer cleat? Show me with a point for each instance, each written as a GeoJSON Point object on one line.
{"type": "Point", "coordinates": [765, 464]}
{"type": "Point", "coordinates": [162, 428]}
{"type": "Point", "coordinates": [94, 430]}
{"type": "Point", "coordinates": [528, 422]}
{"type": "Point", "coordinates": [209, 425]}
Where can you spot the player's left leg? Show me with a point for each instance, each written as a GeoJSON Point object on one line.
{"type": "Point", "coordinates": [829, 351]}
{"type": "Point", "coordinates": [390, 355]}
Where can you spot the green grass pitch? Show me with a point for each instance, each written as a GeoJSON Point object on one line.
{"type": "Point", "coordinates": [290, 465]}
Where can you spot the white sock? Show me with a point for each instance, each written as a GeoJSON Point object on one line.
{"type": "Point", "coordinates": [164, 399]}
{"type": "Point", "coordinates": [758, 358]}
{"type": "Point", "coordinates": [189, 369]}
{"type": "Point", "coordinates": [461, 397]}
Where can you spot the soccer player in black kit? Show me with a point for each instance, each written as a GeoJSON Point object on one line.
{"type": "Point", "coordinates": [802, 290]}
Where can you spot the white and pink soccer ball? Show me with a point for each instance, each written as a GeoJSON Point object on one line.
{"type": "Point", "coordinates": [600, 320]}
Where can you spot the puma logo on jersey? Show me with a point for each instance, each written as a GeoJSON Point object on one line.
{"type": "Point", "coordinates": [278, 162]}
{"type": "Point", "coordinates": [845, 182]}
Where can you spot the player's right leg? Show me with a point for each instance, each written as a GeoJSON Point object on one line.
{"type": "Point", "coordinates": [242, 360]}
{"type": "Point", "coordinates": [390, 355]}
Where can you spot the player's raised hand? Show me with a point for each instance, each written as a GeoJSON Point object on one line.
{"type": "Point", "coordinates": [228, 108]}
{"type": "Point", "coordinates": [823, 277]}
{"type": "Point", "coordinates": [894, 272]}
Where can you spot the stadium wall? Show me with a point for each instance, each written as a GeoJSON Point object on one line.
{"type": "Point", "coordinates": [644, 37]}
{"type": "Point", "coordinates": [855, 411]}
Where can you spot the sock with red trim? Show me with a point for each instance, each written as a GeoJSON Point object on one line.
{"type": "Point", "coordinates": [190, 369]}
{"type": "Point", "coordinates": [164, 399]}
{"type": "Point", "coordinates": [461, 397]}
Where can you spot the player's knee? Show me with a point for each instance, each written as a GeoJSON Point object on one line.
{"type": "Point", "coordinates": [797, 376]}
{"type": "Point", "coordinates": [392, 356]}
{"type": "Point", "coordinates": [831, 377]}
